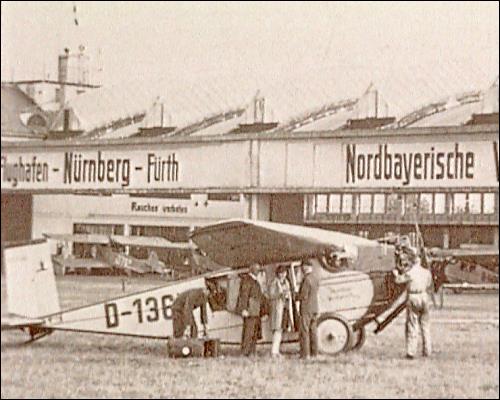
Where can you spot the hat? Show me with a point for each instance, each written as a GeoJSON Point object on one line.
{"type": "Point", "coordinates": [411, 252]}
{"type": "Point", "coordinates": [307, 265]}
{"type": "Point", "coordinates": [254, 268]}
{"type": "Point", "coordinates": [280, 269]}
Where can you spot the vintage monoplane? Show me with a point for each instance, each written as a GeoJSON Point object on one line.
{"type": "Point", "coordinates": [356, 286]}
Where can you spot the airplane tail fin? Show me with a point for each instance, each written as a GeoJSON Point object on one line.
{"type": "Point", "coordinates": [30, 286]}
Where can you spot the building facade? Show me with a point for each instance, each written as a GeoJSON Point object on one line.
{"type": "Point", "coordinates": [370, 182]}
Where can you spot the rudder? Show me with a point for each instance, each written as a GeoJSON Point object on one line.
{"type": "Point", "coordinates": [30, 290]}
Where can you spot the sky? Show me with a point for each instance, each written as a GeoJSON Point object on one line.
{"type": "Point", "coordinates": [149, 40]}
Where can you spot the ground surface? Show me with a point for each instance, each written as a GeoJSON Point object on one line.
{"type": "Point", "coordinates": [465, 363]}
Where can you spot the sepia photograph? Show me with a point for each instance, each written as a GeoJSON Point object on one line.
{"type": "Point", "coordinates": [249, 199]}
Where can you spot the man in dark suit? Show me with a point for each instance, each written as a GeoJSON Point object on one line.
{"type": "Point", "coordinates": [308, 297]}
{"type": "Point", "coordinates": [183, 308]}
{"type": "Point", "coordinates": [250, 301]}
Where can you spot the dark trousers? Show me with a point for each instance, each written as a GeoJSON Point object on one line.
{"type": "Point", "coordinates": [308, 335]}
{"type": "Point", "coordinates": [180, 324]}
{"type": "Point", "coordinates": [251, 333]}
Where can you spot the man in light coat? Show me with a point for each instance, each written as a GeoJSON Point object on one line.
{"type": "Point", "coordinates": [419, 285]}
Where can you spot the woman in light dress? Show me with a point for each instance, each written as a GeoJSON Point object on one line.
{"type": "Point", "coordinates": [279, 295]}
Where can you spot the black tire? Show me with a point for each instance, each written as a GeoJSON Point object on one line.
{"type": "Point", "coordinates": [334, 334]}
{"type": "Point", "coordinates": [358, 339]}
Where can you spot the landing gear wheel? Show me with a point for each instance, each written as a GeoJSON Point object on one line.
{"type": "Point", "coordinates": [334, 334]}
{"type": "Point", "coordinates": [358, 338]}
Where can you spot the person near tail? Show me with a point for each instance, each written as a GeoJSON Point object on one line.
{"type": "Point", "coordinates": [419, 284]}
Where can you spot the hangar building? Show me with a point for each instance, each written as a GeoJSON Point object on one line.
{"type": "Point", "coordinates": [369, 157]}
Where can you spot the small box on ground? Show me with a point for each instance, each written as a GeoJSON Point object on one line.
{"type": "Point", "coordinates": [212, 347]}
{"type": "Point", "coordinates": [185, 347]}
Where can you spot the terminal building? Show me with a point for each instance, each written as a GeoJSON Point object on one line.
{"type": "Point", "coordinates": [370, 158]}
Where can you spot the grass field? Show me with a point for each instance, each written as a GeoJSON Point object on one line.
{"type": "Point", "coordinates": [465, 363]}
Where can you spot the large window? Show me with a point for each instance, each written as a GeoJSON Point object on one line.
{"type": "Point", "coordinates": [365, 204]}
{"type": "Point", "coordinates": [397, 205]}
{"type": "Point", "coordinates": [459, 203]}
{"type": "Point", "coordinates": [101, 229]}
{"type": "Point", "coordinates": [439, 203]}
{"type": "Point", "coordinates": [378, 203]}
{"type": "Point", "coordinates": [426, 203]}
{"type": "Point", "coordinates": [321, 203]}
{"type": "Point", "coordinates": [223, 197]}
{"type": "Point", "coordinates": [411, 204]}
{"type": "Point", "coordinates": [334, 204]}
{"type": "Point", "coordinates": [489, 203]}
{"type": "Point", "coordinates": [172, 233]}
{"type": "Point", "coordinates": [474, 203]}
{"type": "Point", "coordinates": [162, 195]}
{"type": "Point", "coordinates": [347, 202]}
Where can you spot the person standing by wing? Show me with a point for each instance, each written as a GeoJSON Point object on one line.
{"type": "Point", "coordinates": [308, 297]}
{"type": "Point", "coordinates": [250, 301]}
{"type": "Point", "coordinates": [419, 284]}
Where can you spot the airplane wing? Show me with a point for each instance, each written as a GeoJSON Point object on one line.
{"type": "Point", "coordinates": [485, 256]}
{"type": "Point", "coordinates": [149, 241]}
{"type": "Point", "coordinates": [13, 321]}
{"type": "Point", "coordinates": [79, 238]}
{"type": "Point", "coordinates": [462, 253]}
{"type": "Point", "coordinates": [87, 263]}
{"type": "Point", "coordinates": [239, 243]}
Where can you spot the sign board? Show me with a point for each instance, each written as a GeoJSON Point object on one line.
{"type": "Point", "coordinates": [276, 164]}
{"type": "Point", "coordinates": [438, 164]}
{"type": "Point", "coordinates": [201, 166]}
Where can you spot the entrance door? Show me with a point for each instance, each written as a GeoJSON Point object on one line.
{"type": "Point", "coordinates": [287, 208]}
{"type": "Point", "coordinates": [17, 216]}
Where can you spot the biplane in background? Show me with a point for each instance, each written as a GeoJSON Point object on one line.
{"type": "Point", "coordinates": [356, 287]}
{"type": "Point", "coordinates": [107, 253]}
{"type": "Point", "coordinates": [472, 266]}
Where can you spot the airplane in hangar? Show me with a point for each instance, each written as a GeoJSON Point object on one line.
{"type": "Point", "coordinates": [107, 254]}
{"type": "Point", "coordinates": [353, 293]}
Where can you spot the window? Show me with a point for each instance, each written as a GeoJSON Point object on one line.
{"type": "Point", "coordinates": [474, 202]}
{"type": "Point", "coordinates": [172, 233]}
{"type": "Point", "coordinates": [321, 203]}
{"type": "Point", "coordinates": [223, 196]}
{"type": "Point", "coordinates": [439, 203]}
{"type": "Point", "coordinates": [162, 195]}
{"type": "Point", "coordinates": [101, 229]}
{"type": "Point", "coordinates": [365, 204]}
{"type": "Point", "coordinates": [489, 203]}
{"type": "Point", "coordinates": [425, 206]}
{"type": "Point", "coordinates": [411, 204]}
{"type": "Point", "coordinates": [334, 204]}
{"type": "Point", "coordinates": [459, 203]}
{"type": "Point", "coordinates": [378, 204]}
{"type": "Point", "coordinates": [395, 203]}
{"type": "Point", "coordinates": [347, 203]}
